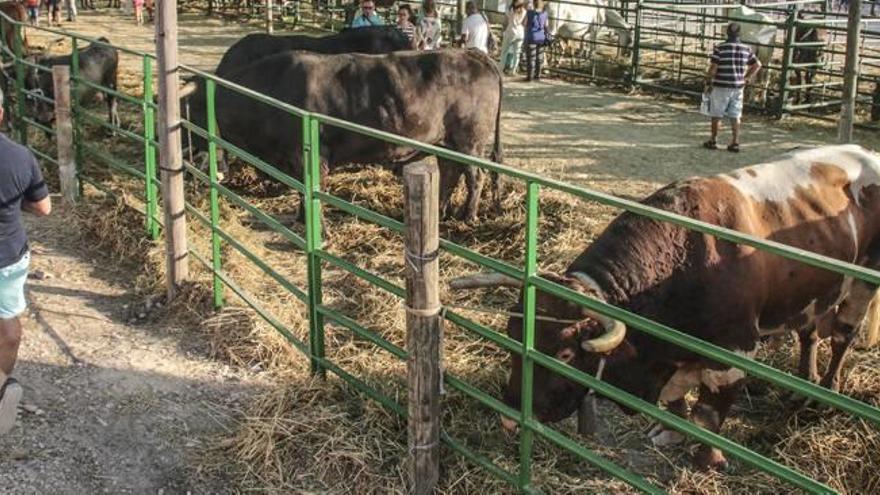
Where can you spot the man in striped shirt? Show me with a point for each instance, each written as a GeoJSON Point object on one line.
{"type": "Point", "coordinates": [733, 64]}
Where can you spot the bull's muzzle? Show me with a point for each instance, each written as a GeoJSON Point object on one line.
{"type": "Point", "coordinates": [509, 424]}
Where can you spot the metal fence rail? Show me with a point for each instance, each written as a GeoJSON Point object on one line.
{"type": "Point", "coordinates": [318, 312]}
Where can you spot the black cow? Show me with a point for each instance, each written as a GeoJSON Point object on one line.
{"type": "Point", "coordinates": [98, 64]}
{"type": "Point", "coordinates": [379, 39]}
{"type": "Point", "coordinates": [449, 98]}
{"type": "Point", "coordinates": [255, 46]}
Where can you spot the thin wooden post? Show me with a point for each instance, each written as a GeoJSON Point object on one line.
{"type": "Point", "coordinates": [421, 189]}
{"type": "Point", "coordinates": [850, 73]}
{"type": "Point", "coordinates": [787, 56]}
{"type": "Point", "coordinates": [460, 14]}
{"type": "Point", "coordinates": [64, 134]}
{"type": "Point", "coordinates": [270, 28]}
{"type": "Point", "coordinates": [636, 52]}
{"type": "Point", "coordinates": [170, 158]}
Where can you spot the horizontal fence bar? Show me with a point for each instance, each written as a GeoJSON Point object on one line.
{"type": "Point", "coordinates": [268, 100]}
{"type": "Point", "coordinates": [252, 160]}
{"type": "Point", "coordinates": [112, 161]}
{"type": "Point", "coordinates": [43, 156]}
{"type": "Point", "coordinates": [253, 258]}
{"type": "Point", "coordinates": [102, 122]}
{"type": "Point", "coordinates": [265, 219]}
{"type": "Point", "coordinates": [33, 123]}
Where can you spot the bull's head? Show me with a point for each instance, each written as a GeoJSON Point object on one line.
{"type": "Point", "coordinates": [572, 334]}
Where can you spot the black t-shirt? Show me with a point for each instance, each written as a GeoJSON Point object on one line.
{"type": "Point", "coordinates": [20, 178]}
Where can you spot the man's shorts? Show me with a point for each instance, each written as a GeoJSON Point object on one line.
{"type": "Point", "coordinates": [726, 103]}
{"type": "Point", "coordinates": [12, 278]}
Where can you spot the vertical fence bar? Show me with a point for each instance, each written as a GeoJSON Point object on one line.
{"type": "Point", "coordinates": [150, 153]}
{"type": "Point", "coordinates": [637, 51]}
{"type": "Point", "coordinates": [312, 180]}
{"type": "Point", "coordinates": [787, 55]}
{"type": "Point", "coordinates": [216, 260]}
{"type": "Point", "coordinates": [74, 109]}
{"type": "Point", "coordinates": [421, 192]}
{"type": "Point", "coordinates": [527, 436]}
{"type": "Point", "coordinates": [19, 86]}
{"type": "Point", "coordinates": [850, 73]}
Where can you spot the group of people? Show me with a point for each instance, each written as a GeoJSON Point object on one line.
{"type": "Point", "coordinates": [525, 26]}
{"type": "Point", "coordinates": [53, 10]}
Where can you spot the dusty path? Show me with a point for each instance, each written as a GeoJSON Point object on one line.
{"type": "Point", "coordinates": [109, 406]}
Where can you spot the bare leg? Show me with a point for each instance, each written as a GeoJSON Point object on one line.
{"type": "Point", "coordinates": [734, 126]}
{"type": "Point", "coordinates": [716, 124]}
{"type": "Point", "coordinates": [10, 338]}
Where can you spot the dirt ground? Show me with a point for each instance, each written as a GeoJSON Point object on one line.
{"type": "Point", "coordinates": [113, 403]}
{"type": "Point", "coordinates": [591, 136]}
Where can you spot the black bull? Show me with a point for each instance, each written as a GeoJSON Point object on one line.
{"type": "Point", "coordinates": [450, 98]}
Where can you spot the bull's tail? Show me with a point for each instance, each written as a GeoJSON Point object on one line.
{"type": "Point", "coordinates": [870, 328]}
{"type": "Point", "coordinates": [497, 150]}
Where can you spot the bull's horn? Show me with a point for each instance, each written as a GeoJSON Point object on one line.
{"type": "Point", "coordinates": [484, 280]}
{"type": "Point", "coordinates": [188, 89]}
{"type": "Point", "coordinates": [8, 65]}
{"type": "Point", "coordinates": [612, 337]}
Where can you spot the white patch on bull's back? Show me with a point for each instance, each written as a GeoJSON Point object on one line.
{"type": "Point", "coordinates": [779, 179]}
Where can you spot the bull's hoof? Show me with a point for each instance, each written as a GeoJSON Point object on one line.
{"type": "Point", "coordinates": [661, 436]}
{"type": "Point", "coordinates": [710, 459]}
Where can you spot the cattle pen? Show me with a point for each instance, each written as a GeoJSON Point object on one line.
{"type": "Point", "coordinates": [334, 294]}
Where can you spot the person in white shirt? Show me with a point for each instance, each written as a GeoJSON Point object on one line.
{"type": "Point", "coordinates": [514, 34]}
{"type": "Point", "coordinates": [475, 29]}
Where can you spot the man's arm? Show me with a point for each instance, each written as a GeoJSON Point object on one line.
{"type": "Point", "coordinates": [752, 70]}
{"type": "Point", "coordinates": [39, 208]}
{"type": "Point", "coordinates": [710, 76]}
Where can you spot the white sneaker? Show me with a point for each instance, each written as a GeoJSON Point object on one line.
{"type": "Point", "coordinates": [10, 396]}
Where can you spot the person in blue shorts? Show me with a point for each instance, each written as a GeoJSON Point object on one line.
{"type": "Point", "coordinates": [21, 188]}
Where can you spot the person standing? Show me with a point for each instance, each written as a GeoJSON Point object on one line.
{"type": "Point", "coordinates": [405, 24]}
{"type": "Point", "coordinates": [733, 64]}
{"type": "Point", "coordinates": [429, 32]}
{"type": "Point", "coordinates": [475, 29]}
{"type": "Point", "coordinates": [514, 34]}
{"type": "Point", "coordinates": [368, 16]}
{"type": "Point", "coordinates": [536, 37]}
{"type": "Point", "coordinates": [139, 12]}
{"type": "Point", "coordinates": [33, 11]}
{"type": "Point", "coordinates": [70, 6]}
{"type": "Point", "coordinates": [21, 188]}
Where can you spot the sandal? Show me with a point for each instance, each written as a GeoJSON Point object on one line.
{"type": "Point", "coordinates": [710, 145]}
{"type": "Point", "coordinates": [733, 148]}
{"type": "Point", "coordinates": [10, 396]}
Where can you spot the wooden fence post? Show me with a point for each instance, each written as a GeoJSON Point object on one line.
{"type": "Point", "coordinates": [170, 157]}
{"type": "Point", "coordinates": [850, 73]}
{"type": "Point", "coordinates": [64, 134]}
{"type": "Point", "coordinates": [787, 57]}
{"type": "Point", "coordinates": [421, 187]}
{"type": "Point", "coordinates": [270, 28]}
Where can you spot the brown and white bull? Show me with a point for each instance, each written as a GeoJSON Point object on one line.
{"type": "Point", "coordinates": [825, 200]}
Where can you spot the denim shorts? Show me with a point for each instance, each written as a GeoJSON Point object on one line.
{"type": "Point", "coordinates": [726, 103]}
{"type": "Point", "coordinates": [12, 278]}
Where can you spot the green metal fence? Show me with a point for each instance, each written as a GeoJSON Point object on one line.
{"type": "Point", "coordinates": [318, 313]}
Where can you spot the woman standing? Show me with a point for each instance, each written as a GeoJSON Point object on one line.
{"type": "Point", "coordinates": [536, 37]}
{"type": "Point", "coordinates": [429, 28]}
{"type": "Point", "coordinates": [514, 34]}
{"type": "Point", "coordinates": [405, 23]}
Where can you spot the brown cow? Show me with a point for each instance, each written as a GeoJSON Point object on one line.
{"type": "Point", "coordinates": [16, 12]}
{"type": "Point", "coordinates": [825, 200]}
